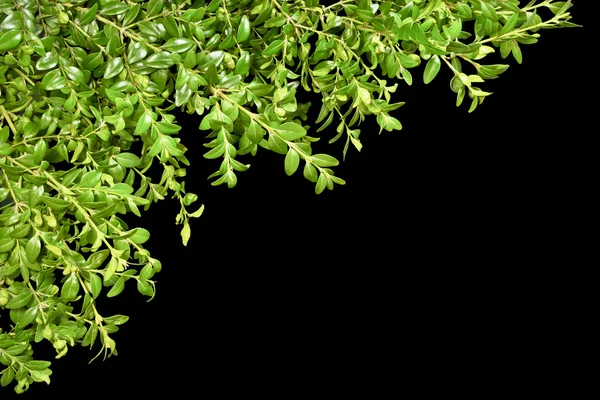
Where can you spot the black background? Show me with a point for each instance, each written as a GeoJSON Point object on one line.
{"type": "Point", "coordinates": [447, 239]}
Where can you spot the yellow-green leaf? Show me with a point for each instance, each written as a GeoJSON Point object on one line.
{"type": "Point", "coordinates": [291, 131]}
{"type": "Point", "coordinates": [11, 39]}
{"type": "Point", "coordinates": [243, 31]}
{"type": "Point", "coordinates": [432, 69]}
{"type": "Point", "coordinates": [70, 288]}
{"type": "Point", "coordinates": [114, 67]}
{"type": "Point", "coordinates": [292, 160]}
{"type": "Point", "coordinates": [117, 288]}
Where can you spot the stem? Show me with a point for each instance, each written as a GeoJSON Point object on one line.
{"type": "Point", "coordinates": [18, 71]}
{"type": "Point", "coordinates": [12, 193]}
{"type": "Point", "coordinates": [8, 120]}
{"type": "Point", "coordinates": [449, 65]}
{"type": "Point", "coordinates": [476, 65]}
{"type": "Point", "coordinates": [30, 139]}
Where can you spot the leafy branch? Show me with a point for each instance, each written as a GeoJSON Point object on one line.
{"type": "Point", "coordinates": [87, 93]}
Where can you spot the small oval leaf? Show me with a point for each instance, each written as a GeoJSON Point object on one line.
{"type": "Point", "coordinates": [432, 69]}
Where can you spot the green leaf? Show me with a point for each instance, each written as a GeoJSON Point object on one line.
{"type": "Point", "coordinates": [11, 39]}
{"type": "Point", "coordinates": [179, 45]}
{"type": "Point", "coordinates": [53, 80]}
{"type": "Point", "coordinates": [33, 248]}
{"type": "Point", "coordinates": [128, 160]}
{"type": "Point", "coordinates": [97, 258]}
{"type": "Point", "coordinates": [273, 48]}
{"type": "Point", "coordinates": [243, 31]}
{"type": "Point", "coordinates": [114, 8]}
{"type": "Point", "coordinates": [310, 172]}
{"type": "Point", "coordinates": [182, 95]}
{"type": "Point", "coordinates": [198, 213]}
{"type": "Point", "coordinates": [458, 47]}
{"type": "Point", "coordinates": [260, 89]}
{"type": "Point", "coordinates": [168, 128]}
{"type": "Point", "coordinates": [111, 268]}
{"type": "Point", "coordinates": [49, 61]}
{"type": "Point", "coordinates": [6, 244]}
{"type": "Point", "coordinates": [516, 52]}
{"type": "Point", "coordinates": [243, 64]}
{"type": "Point", "coordinates": [321, 184]}
{"type": "Point", "coordinates": [255, 132]}
{"type": "Point", "coordinates": [147, 272]}
{"type": "Point", "coordinates": [506, 48]}
{"type": "Point", "coordinates": [194, 14]}
{"type": "Point", "coordinates": [474, 104]}
{"type": "Point", "coordinates": [229, 81]}
{"type": "Point", "coordinates": [38, 365]}
{"type": "Point", "coordinates": [20, 231]}
{"type": "Point", "coordinates": [116, 319]}
{"type": "Point", "coordinates": [171, 26]}
{"type": "Point", "coordinates": [143, 124]}
{"type": "Point", "coordinates": [74, 74]}
{"type": "Point", "coordinates": [89, 15]}
{"type": "Point", "coordinates": [432, 69]}
{"type": "Point", "coordinates": [41, 376]}
{"type": "Point", "coordinates": [185, 233]}
{"type": "Point", "coordinates": [5, 149]}
{"type": "Point", "coordinates": [145, 288]}
{"type": "Point", "coordinates": [114, 67]}
{"type": "Point", "coordinates": [8, 375]}
{"type": "Point", "coordinates": [509, 25]}
{"type": "Point", "coordinates": [291, 131]}
{"type": "Point", "coordinates": [154, 7]}
{"type": "Point", "coordinates": [70, 288]}
{"type": "Point", "coordinates": [276, 144]}
{"type": "Point", "coordinates": [95, 284]}
{"type": "Point", "coordinates": [28, 317]}
{"type": "Point", "coordinates": [491, 71]}
{"type": "Point", "coordinates": [17, 349]}
{"type": "Point", "coordinates": [140, 236]}
{"type": "Point", "coordinates": [92, 61]}
{"type": "Point", "coordinates": [292, 161]}
{"type": "Point", "coordinates": [215, 152]}
{"type": "Point", "coordinates": [137, 52]}
{"type": "Point", "coordinates": [117, 288]}
{"type": "Point", "coordinates": [121, 188]}
{"type": "Point", "coordinates": [90, 179]}
{"type": "Point", "coordinates": [559, 7]}
{"type": "Point", "coordinates": [39, 151]}
{"type": "Point", "coordinates": [20, 301]}
{"type": "Point", "coordinates": [489, 11]}
{"type": "Point", "coordinates": [388, 122]}
{"type": "Point", "coordinates": [211, 74]}
{"type": "Point", "coordinates": [406, 75]}
{"type": "Point", "coordinates": [90, 336]}
{"type": "Point", "coordinates": [324, 160]}
{"type": "Point", "coordinates": [213, 58]}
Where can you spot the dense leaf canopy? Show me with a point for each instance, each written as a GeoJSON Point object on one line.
{"type": "Point", "coordinates": [87, 90]}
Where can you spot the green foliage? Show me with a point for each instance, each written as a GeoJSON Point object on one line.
{"type": "Point", "coordinates": [86, 94]}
